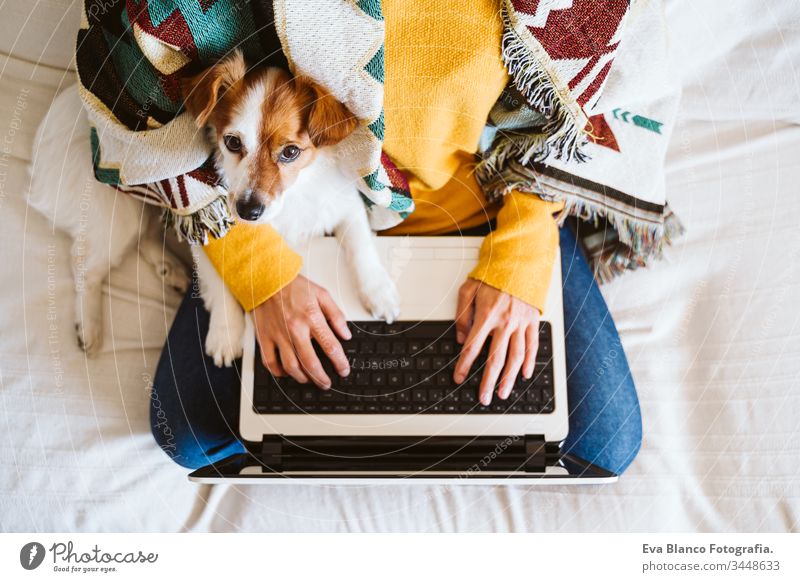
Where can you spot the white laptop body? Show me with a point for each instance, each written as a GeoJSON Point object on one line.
{"type": "Point", "coordinates": [428, 272]}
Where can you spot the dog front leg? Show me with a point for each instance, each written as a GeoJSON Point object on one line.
{"type": "Point", "coordinates": [376, 289]}
{"type": "Point", "coordinates": [226, 317]}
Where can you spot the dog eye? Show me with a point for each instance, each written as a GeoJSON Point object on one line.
{"type": "Point", "coordinates": [233, 143]}
{"type": "Point", "coordinates": [290, 153]}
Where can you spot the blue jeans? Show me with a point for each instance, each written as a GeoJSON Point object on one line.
{"type": "Point", "coordinates": [194, 410]}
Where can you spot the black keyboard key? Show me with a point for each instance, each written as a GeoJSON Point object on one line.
{"type": "Point", "coordinates": [447, 348]}
{"type": "Point", "coordinates": [373, 327]}
{"type": "Point", "coordinates": [394, 328]}
{"type": "Point", "coordinates": [416, 377]}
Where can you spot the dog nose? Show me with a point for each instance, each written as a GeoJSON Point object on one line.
{"type": "Point", "coordinates": [249, 208]}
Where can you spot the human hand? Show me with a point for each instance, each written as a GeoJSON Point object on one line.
{"type": "Point", "coordinates": [288, 321]}
{"type": "Point", "coordinates": [513, 325]}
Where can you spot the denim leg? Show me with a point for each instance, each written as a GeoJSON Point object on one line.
{"type": "Point", "coordinates": [605, 425]}
{"type": "Point", "coordinates": [194, 407]}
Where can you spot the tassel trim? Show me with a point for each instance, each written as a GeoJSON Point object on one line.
{"type": "Point", "coordinates": [213, 219]}
{"type": "Point", "coordinates": [637, 243]}
{"type": "Point", "coordinates": [561, 136]}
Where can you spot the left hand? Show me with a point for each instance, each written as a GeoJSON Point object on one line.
{"type": "Point", "coordinates": [513, 325]}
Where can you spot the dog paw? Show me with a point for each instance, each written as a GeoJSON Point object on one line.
{"type": "Point", "coordinates": [90, 336]}
{"type": "Point", "coordinates": [382, 301]}
{"type": "Point", "coordinates": [224, 344]}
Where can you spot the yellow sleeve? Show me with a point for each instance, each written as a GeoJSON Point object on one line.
{"type": "Point", "coordinates": [518, 256]}
{"type": "Point", "coordinates": [254, 261]}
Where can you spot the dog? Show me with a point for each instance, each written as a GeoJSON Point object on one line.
{"type": "Point", "coordinates": [105, 225]}
{"type": "Point", "coordinates": [276, 138]}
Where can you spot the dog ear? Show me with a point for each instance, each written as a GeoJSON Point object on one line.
{"type": "Point", "coordinates": [202, 92]}
{"type": "Point", "coordinates": [329, 121]}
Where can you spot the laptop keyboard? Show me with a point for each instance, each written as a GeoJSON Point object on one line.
{"type": "Point", "coordinates": [405, 368]}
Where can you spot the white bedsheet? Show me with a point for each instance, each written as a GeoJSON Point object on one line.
{"type": "Point", "coordinates": [712, 334]}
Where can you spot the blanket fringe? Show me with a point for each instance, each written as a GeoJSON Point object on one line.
{"type": "Point", "coordinates": [560, 136]}
{"type": "Point", "coordinates": [213, 219]}
{"type": "Point", "coordinates": [627, 243]}
{"type": "Point", "coordinates": [630, 245]}
{"type": "Point", "coordinates": [508, 146]}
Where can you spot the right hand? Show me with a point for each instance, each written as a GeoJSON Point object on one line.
{"type": "Point", "coordinates": [288, 321]}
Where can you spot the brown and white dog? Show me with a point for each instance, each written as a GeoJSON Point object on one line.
{"type": "Point", "coordinates": [276, 138]}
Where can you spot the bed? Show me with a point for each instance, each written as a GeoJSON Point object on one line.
{"type": "Point", "coordinates": [712, 333]}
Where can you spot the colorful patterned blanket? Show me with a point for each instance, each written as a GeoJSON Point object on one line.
{"type": "Point", "coordinates": [132, 54]}
{"type": "Point", "coordinates": [540, 137]}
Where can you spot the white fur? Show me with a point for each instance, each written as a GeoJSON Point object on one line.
{"type": "Point", "coordinates": [103, 223]}
{"type": "Point", "coordinates": [246, 124]}
{"type": "Point", "coordinates": [321, 201]}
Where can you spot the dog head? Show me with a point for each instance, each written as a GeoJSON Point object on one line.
{"type": "Point", "coordinates": [268, 126]}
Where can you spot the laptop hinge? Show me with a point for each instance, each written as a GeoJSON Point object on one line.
{"type": "Point", "coordinates": [529, 453]}
{"type": "Point", "coordinates": [272, 452]}
{"type": "Point", "coordinates": [535, 453]}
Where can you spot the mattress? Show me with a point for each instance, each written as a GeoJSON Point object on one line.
{"type": "Point", "coordinates": [712, 334]}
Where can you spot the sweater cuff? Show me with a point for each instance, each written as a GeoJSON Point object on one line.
{"type": "Point", "coordinates": [254, 262]}
{"type": "Point", "coordinates": [518, 256]}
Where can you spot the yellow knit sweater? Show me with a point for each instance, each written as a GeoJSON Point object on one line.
{"type": "Point", "coordinates": [443, 75]}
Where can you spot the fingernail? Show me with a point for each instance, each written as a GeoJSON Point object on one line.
{"type": "Point", "coordinates": [458, 378]}
{"type": "Point", "coordinates": [459, 337]}
{"type": "Point", "coordinates": [348, 335]}
{"type": "Point", "coordinates": [344, 373]}
{"type": "Point", "coordinates": [486, 400]}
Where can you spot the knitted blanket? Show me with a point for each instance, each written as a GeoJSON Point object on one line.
{"type": "Point", "coordinates": [551, 132]}
{"type": "Point", "coordinates": [572, 128]}
{"type": "Point", "coordinates": [132, 54]}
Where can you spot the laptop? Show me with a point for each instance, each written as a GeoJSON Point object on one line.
{"type": "Point", "coordinates": [398, 416]}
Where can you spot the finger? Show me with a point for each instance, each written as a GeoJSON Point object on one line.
{"type": "Point", "coordinates": [334, 315]}
{"type": "Point", "coordinates": [472, 346]}
{"type": "Point", "coordinates": [514, 359]}
{"type": "Point", "coordinates": [494, 365]}
{"type": "Point", "coordinates": [290, 363]}
{"type": "Point", "coordinates": [531, 347]}
{"type": "Point", "coordinates": [309, 361]}
{"type": "Point", "coordinates": [270, 359]}
{"type": "Point", "coordinates": [465, 310]}
{"type": "Point", "coordinates": [330, 345]}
